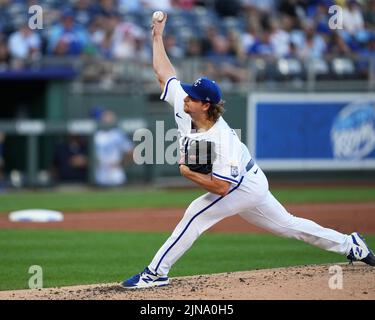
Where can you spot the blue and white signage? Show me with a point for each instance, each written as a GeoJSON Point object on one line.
{"type": "Point", "coordinates": [312, 131]}
{"type": "Point", "coordinates": [353, 131]}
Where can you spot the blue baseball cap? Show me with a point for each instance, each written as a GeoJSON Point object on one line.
{"type": "Point", "coordinates": [96, 112]}
{"type": "Point", "coordinates": [203, 89]}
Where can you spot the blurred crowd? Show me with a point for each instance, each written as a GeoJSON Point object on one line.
{"type": "Point", "coordinates": [225, 32]}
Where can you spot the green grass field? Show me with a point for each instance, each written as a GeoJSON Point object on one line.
{"type": "Point", "coordinates": [150, 198]}
{"type": "Point", "coordinates": [71, 257]}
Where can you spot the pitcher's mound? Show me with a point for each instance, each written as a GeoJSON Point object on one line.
{"type": "Point", "coordinates": [334, 282]}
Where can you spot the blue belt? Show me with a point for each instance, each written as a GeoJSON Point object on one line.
{"type": "Point", "coordinates": [250, 164]}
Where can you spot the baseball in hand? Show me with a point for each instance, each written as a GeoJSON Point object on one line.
{"type": "Point", "coordinates": [158, 16]}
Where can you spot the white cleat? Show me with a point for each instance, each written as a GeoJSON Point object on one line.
{"type": "Point", "coordinates": [360, 251]}
{"type": "Point", "coordinates": [145, 279]}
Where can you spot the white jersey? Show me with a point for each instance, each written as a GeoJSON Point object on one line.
{"type": "Point", "coordinates": [232, 155]}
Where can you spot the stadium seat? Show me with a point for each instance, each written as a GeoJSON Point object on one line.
{"type": "Point", "coordinates": [318, 68]}
{"type": "Point", "coordinates": [343, 66]}
{"type": "Point", "coordinates": [263, 70]}
{"type": "Point", "coordinates": [288, 67]}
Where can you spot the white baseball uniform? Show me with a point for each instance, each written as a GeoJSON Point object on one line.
{"type": "Point", "coordinates": [249, 195]}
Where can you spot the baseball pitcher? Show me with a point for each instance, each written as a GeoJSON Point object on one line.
{"type": "Point", "coordinates": [214, 158]}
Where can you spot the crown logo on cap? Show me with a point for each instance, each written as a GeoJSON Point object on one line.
{"type": "Point", "coordinates": [197, 82]}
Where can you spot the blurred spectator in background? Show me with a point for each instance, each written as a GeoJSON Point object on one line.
{"type": "Point", "coordinates": [173, 50]}
{"type": "Point", "coordinates": [106, 8]}
{"type": "Point", "coordinates": [279, 38]}
{"type": "Point", "coordinates": [113, 149]}
{"type": "Point", "coordinates": [104, 49]}
{"type": "Point", "coordinates": [294, 9]}
{"type": "Point", "coordinates": [352, 18]}
{"type": "Point", "coordinates": [262, 7]}
{"type": "Point", "coordinates": [67, 38]}
{"type": "Point", "coordinates": [183, 4]}
{"type": "Point", "coordinates": [369, 50]}
{"type": "Point", "coordinates": [365, 55]}
{"type": "Point", "coordinates": [99, 54]}
{"type": "Point", "coordinates": [193, 48]}
{"type": "Point", "coordinates": [162, 5]}
{"type": "Point", "coordinates": [369, 15]}
{"type": "Point", "coordinates": [24, 46]}
{"type": "Point", "coordinates": [249, 36]}
{"type": "Point", "coordinates": [313, 45]}
{"type": "Point", "coordinates": [223, 64]}
{"type": "Point", "coordinates": [126, 39]}
{"type": "Point", "coordinates": [262, 46]}
{"type": "Point", "coordinates": [2, 163]}
{"type": "Point", "coordinates": [288, 7]}
{"type": "Point", "coordinates": [321, 18]}
{"type": "Point", "coordinates": [97, 31]}
{"type": "Point", "coordinates": [130, 5]}
{"type": "Point", "coordinates": [235, 47]}
{"type": "Point", "coordinates": [292, 52]}
{"type": "Point", "coordinates": [4, 3]}
{"type": "Point", "coordinates": [83, 11]}
{"type": "Point", "coordinates": [101, 33]}
{"type": "Point", "coordinates": [228, 8]}
{"type": "Point", "coordinates": [70, 160]}
{"type": "Point", "coordinates": [4, 53]}
{"type": "Point", "coordinates": [337, 46]}
{"type": "Point", "coordinates": [210, 32]}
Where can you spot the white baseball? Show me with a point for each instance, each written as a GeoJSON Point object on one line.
{"type": "Point", "coordinates": [158, 16]}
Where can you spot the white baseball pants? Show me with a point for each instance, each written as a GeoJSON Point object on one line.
{"type": "Point", "coordinates": [253, 202]}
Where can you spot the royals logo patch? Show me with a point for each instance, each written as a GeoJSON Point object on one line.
{"type": "Point", "coordinates": [234, 171]}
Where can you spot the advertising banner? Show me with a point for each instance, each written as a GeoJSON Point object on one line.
{"type": "Point", "coordinates": [312, 131]}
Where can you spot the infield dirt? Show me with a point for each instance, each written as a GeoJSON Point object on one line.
{"type": "Point", "coordinates": [303, 282]}
{"type": "Point", "coordinates": [343, 217]}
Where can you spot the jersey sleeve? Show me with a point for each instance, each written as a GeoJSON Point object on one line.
{"type": "Point", "coordinates": [175, 95]}
{"type": "Point", "coordinates": [227, 165]}
{"type": "Point", "coordinates": [227, 171]}
{"type": "Point", "coordinates": [169, 91]}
